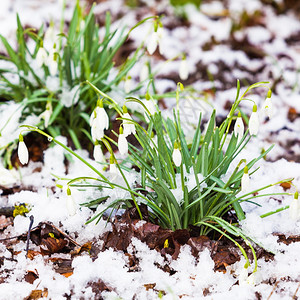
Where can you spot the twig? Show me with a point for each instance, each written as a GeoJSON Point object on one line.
{"type": "Point", "coordinates": [275, 286]}
{"type": "Point", "coordinates": [28, 234]}
{"type": "Point", "coordinates": [294, 296]}
{"type": "Point", "coordinates": [64, 234]}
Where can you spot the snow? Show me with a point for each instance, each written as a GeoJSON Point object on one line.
{"type": "Point", "coordinates": [192, 276]}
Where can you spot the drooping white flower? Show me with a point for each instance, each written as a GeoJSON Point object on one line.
{"type": "Point", "coordinates": [128, 127]}
{"type": "Point", "coordinates": [160, 36]}
{"type": "Point", "coordinates": [99, 121]}
{"type": "Point", "coordinates": [243, 276]}
{"type": "Point", "coordinates": [47, 114]}
{"type": "Point", "coordinates": [71, 205]}
{"type": "Point", "coordinates": [22, 151]}
{"type": "Point", "coordinates": [8, 178]}
{"type": "Point", "coordinates": [183, 70]}
{"type": "Point", "coordinates": [151, 108]}
{"type": "Point", "coordinates": [98, 154]}
{"type": "Point", "coordinates": [254, 121]}
{"type": "Point", "coordinates": [50, 34]}
{"type": "Point", "coordinates": [52, 62]}
{"type": "Point", "coordinates": [41, 57]}
{"type": "Point", "coordinates": [113, 167]}
{"type": "Point", "coordinates": [294, 209]}
{"type": "Point", "coordinates": [251, 280]}
{"type": "Point", "coordinates": [102, 117]}
{"type": "Point", "coordinates": [152, 43]}
{"type": "Point", "coordinates": [239, 128]}
{"type": "Point", "coordinates": [122, 144]}
{"type": "Point", "coordinates": [268, 108]}
{"type": "Point", "coordinates": [176, 155]}
{"type": "Point", "coordinates": [245, 181]}
{"type": "Point", "coordinates": [127, 84]}
{"type": "Point", "coordinates": [144, 73]}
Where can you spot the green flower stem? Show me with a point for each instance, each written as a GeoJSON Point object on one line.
{"type": "Point", "coordinates": [274, 211]}
{"type": "Point", "coordinates": [227, 236]}
{"type": "Point", "coordinates": [124, 177]}
{"type": "Point", "coordinates": [50, 138]}
{"type": "Point", "coordinates": [116, 106]}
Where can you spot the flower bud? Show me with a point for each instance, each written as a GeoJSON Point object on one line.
{"type": "Point", "coordinates": [176, 156]}
{"type": "Point", "coordinates": [22, 151]}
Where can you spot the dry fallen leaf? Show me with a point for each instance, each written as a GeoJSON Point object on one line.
{"type": "Point", "coordinates": [31, 276]}
{"type": "Point", "coordinates": [37, 294]}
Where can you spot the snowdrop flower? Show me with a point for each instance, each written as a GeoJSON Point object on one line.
{"type": "Point", "coordinates": [52, 62]}
{"type": "Point", "coordinates": [245, 181]}
{"type": "Point", "coordinates": [128, 127]}
{"type": "Point", "coordinates": [98, 121]}
{"type": "Point", "coordinates": [243, 276]}
{"type": "Point", "coordinates": [97, 153]}
{"type": "Point", "coordinates": [268, 108]}
{"type": "Point", "coordinates": [151, 108]}
{"type": "Point", "coordinates": [152, 43]}
{"type": "Point", "coordinates": [7, 177]}
{"type": "Point", "coordinates": [155, 38]}
{"type": "Point", "coordinates": [144, 73]}
{"type": "Point", "coordinates": [112, 166]}
{"type": "Point", "coordinates": [251, 280]}
{"type": "Point", "coordinates": [50, 34]}
{"type": "Point", "coordinates": [253, 121]}
{"type": "Point", "coordinates": [183, 70]}
{"type": "Point", "coordinates": [41, 57]}
{"type": "Point", "coordinates": [47, 114]}
{"type": "Point", "coordinates": [122, 142]}
{"type": "Point", "coordinates": [22, 151]}
{"type": "Point", "coordinates": [176, 156]}
{"type": "Point", "coordinates": [239, 128]}
{"type": "Point", "coordinates": [294, 209]}
{"type": "Point", "coordinates": [71, 206]}
{"type": "Point", "coordinates": [127, 84]}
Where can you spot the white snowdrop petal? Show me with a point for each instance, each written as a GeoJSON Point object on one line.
{"type": "Point", "coordinates": [176, 156]}
{"type": "Point", "coordinates": [71, 206]}
{"type": "Point", "coordinates": [243, 276]}
{"type": "Point", "coordinates": [253, 123]}
{"type": "Point", "coordinates": [268, 108]}
{"type": "Point", "coordinates": [128, 127]}
{"type": "Point", "coordinates": [53, 67]}
{"type": "Point", "coordinates": [113, 169]}
{"type": "Point", "coordinates": [23, 153]}
{"type": "Point", "coordinates": [41, 57]}
{"type": "Point", "coordinates": [239, 128]}
{"type": "Point", "coordinates": [102, 118]}
{"type": "Point", "coordinates": [183, 70]}
{"type": "Point", "coordinates": [98, 154]}
{"type": "Point", "coordinates": [245, 182]}
{"type": "Point", "coordinates": [152, 43]}
{"type": "Point", "coordinates": [122, 144]}
{"type": "Point", "coordinates": [144, 73]}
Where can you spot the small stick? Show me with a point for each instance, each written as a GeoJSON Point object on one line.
{"type": "Point", "coordinates": [28, 234]}
{"type": "Point", "coordinates": [295, 297]}
{"type": "Point", "coordinates": [276, 283]}
{"type": "Point", "coordinates": [64, 234]}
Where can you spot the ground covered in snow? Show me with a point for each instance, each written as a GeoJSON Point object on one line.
{"type": "Point", "coordinates": [226, 40]}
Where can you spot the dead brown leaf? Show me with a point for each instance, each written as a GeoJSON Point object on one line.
{"type": "Point", "coordinates": [79, 249]}
{"type": "Point", "coordinates": [52, 245]}
{"type": "Point", "coordinates": [37, 294]}
{"type": "Point", "coordinates": [31, 276]}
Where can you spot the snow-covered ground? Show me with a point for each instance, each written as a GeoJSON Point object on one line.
{"type": "Point", "coordinates": [267, 49]}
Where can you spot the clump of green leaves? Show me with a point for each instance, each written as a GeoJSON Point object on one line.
{"type": "Point", "coordinates": [181, 183]}
{"type": "Point", "coordinates": [45, 74]}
